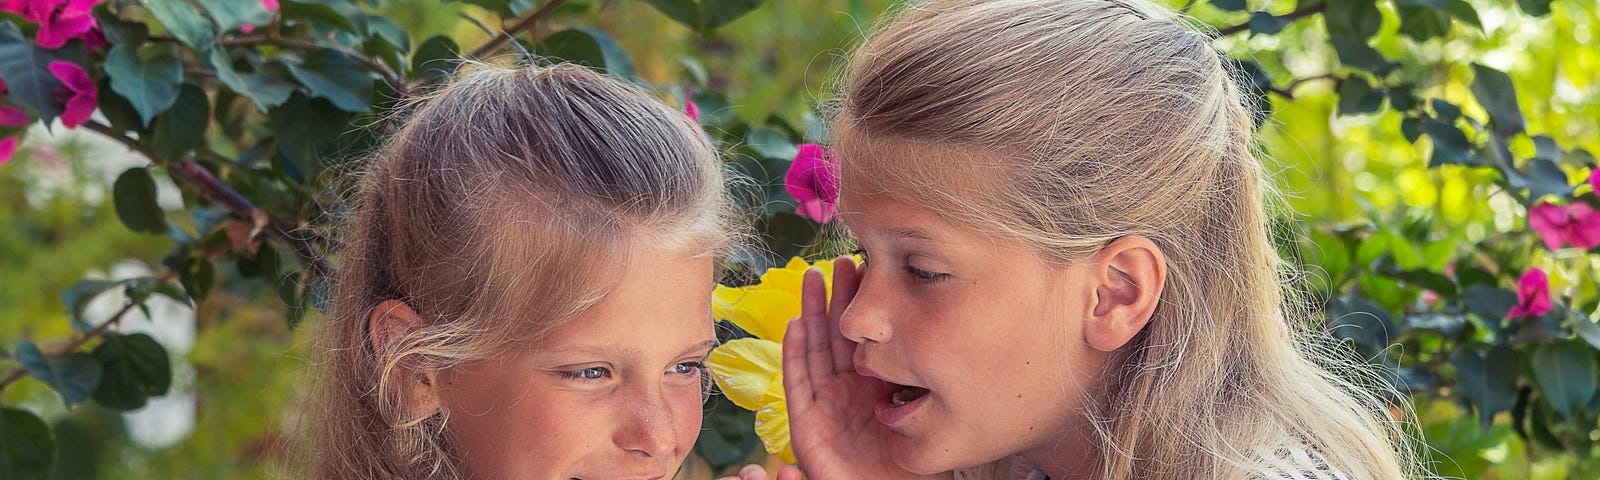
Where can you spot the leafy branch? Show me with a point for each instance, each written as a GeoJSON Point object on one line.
{"type": "Point", "coordinates": [78, 340]}
{"type": "Point", "coordinates": [1298, 13]}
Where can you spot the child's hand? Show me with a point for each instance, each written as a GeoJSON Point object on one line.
{"type": "Point", "coordinates": [756, 472]}
{"type": "Point", "coordinates": [831, 422]}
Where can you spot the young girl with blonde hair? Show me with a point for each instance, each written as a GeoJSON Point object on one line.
{"type": "Point", "coordinates": [525, 292]}
{"type": "Point", "coordinates": [1068, 268]}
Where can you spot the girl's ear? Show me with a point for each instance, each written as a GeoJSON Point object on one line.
{"type": "Point", "coordinates": [387, 324]}
{"type": "Point", "coordinates": [1127, 277]}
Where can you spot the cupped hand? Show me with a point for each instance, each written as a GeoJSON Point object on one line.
{"type": "Point", "coordinates": [831, 421]}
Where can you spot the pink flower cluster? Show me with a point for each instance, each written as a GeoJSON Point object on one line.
{"type": "Point", "coordinates": [10, 117]}
{"type": "Point", "coordinates": [813, 180]}
{"type": "Point", "coordinates": [59, 20]}
{"type": "Point", "coordinates": [78, 95]}
{"type": "Point", "coordinates": [1576, 223]}
{"type": "Point", "coordinates": [1533, 295]}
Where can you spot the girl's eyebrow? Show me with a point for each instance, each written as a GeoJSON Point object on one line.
{"type": "Point", "coordinates": [912, 233]}
{"type": "Point", "coordinates": [706, 345]}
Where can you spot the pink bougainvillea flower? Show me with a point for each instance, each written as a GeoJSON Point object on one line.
{"type": "Point", "coordinates": [1594, 181]}
{"type": "Point", "coordinates": [270, 5]}
{"type": "Point", "coordinates": [813, 180]}
{"type": "Point", "coordinates": [63, 20]}
{"type": "Point", "coordinates": [1533, 295]}
{"type": "Point", "coordinates": [13, 117]}
{"type": "Point", "coordinates": [8, 148]}
{"type": "Point", "coordinates": [80, 94]}
{"type": "Point", "coordinates": [689, 108]}
{"type": "Point", "coordinates": [1576, 224]}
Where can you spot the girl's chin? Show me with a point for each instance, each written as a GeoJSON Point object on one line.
{"type": "Point", "coordinates": [918, 457]}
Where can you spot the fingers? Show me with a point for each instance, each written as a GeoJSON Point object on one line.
{"type": "Point", "coordinates": [814, 317]}
{"type": "Point", "coordinates": [789, 472]}
{"type": "Point", "coordinates": [753, 472]}
{"type": "Point", "coordinates": [797, 388]}
{"type": "Point", "coordinates": [846, 281]}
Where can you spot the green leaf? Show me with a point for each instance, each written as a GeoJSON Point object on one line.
{"type": "Point", "coordinates": [589, 47]}
{"type": "Point", "coordinates": [771, 143]}
{"type": "Point", "coordinates": [1588, 330]}
{"type": "Point", "coordinates": [706, 15]}
{"type": "Point", "coordinates": [390, 32]}
{"type": "Point", "coordinates": [333, 75]}
{"type": "Point", "coordinates": [1537, 8]}
{"type": "Point", "coordinates": [1359, 19]}
{"type": "Point", "coordinates": [1422, 3]}
{"type": "Point", "coordinates": [268, 87]}
{"type": "Point", "coordinates": [1354, 52]}
{"type": "Point", "coordinates": [1464, 12]}
{"type": "Point", "coordinates": [1489, 302]}
{"type": "Point", "coordinates": [685, 12]}
{"type": "Point", "coordinates": [307, 129]}
{"type": "Point", "coordinates": [315, 13]}
{"type": "Point", "coordinates": [78, 295]}
{"type": "Point", "coordinates": [75, 375]}
{"type": "Point", "coordinates": [134, 194]}
{"type": "Point", "coordinates": [24, 69]}
{"type": "Point", "coordinates": [1230, 5]}
{"type": "Point", "coordinates": [27, 447]}
{"type": "Point", "coordinates": [1361, 321]}
{"type": "Point", "coordinates": [184, 21]}
{"type": "Point", "coordinates": [118, 111]}
{"type": "Point", "coordinates": [1266, 23]}
{"type": "Point", "coordinates": [1450, 146]}
{"type": "Point", "coordinates": [1494, 91]}
{"type": "Point", "coordinates": [435, 59]}
{"type": "Point", "coordinates": [1545, 178]}
{"type": "Point", "coordinates": [1446, 324]}
{"type": "Point", "coordinates": [183, 128]}
{"type": "Point", "coordinates": [1566, 373]}
{"type": "Point", "coordinates": [1487, 379]}
{"type": "Point", "coordinates": [1423, 22]}
{"type": "Point", "coordinates": [1356, 96]}
{"type": "Point", "coordinates": [118, 31]}
{"type": "Point", "coordinates": [136, 368]}
{"type": "Point", "coordinates": [231, 14]}
{"type": "Point", "coordinates": [147, 76]}
{"type": "Point", "coordinates": [197, 277]}
{"type": "Point", "coordinates": [1411, 127]}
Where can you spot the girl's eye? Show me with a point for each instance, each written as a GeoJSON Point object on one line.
{"type": "Point", "coordinates": [924, 275]}
{"type": "Point", "coordinates": [588, 374]}
{"type": "Point", "coordinates": [688, 368]}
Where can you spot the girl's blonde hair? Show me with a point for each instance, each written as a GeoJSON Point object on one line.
{"type": "Point", "coordinates": [1070, 123]}
{"type": "Point", "coordinates": [503, 207]}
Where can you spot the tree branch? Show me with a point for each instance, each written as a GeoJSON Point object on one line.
{"type": "Point", "coordinates": [526, 22]}
{"type": "Point", "coordinates": [78, 340]}
{"type": "Point", "coordinates": [1305, 11]}
{"type": "Point", "coordinates": [1288, 91]}
{"type": "Point", "coordinates": [195, 175]}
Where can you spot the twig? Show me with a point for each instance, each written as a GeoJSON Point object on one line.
{"type": "Point", "coordinates": [511, 32]}
{"type": "Point", "coordinates": [195, 175]}
{"type": "Point", "coordinates": [1288, 91]}
{"type": "Point", "coordinates": [1305, 11]}
{"type": "Point", "coordinates": [78, 340]}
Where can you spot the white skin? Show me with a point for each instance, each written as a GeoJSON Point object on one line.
{"type": "Point", "coordinates": [612, 394]}
{"type": "Point", "coordinates": [1007, 345]}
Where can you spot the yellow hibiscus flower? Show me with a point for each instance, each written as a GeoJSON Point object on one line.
{"type": "Point", "coordinates": [750, 370]}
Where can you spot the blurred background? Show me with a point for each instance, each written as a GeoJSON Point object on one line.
{"type": "Point", "coordinates": [1406, 183]}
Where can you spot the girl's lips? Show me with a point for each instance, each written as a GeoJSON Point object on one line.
{"type": "Point", "coordinates": [890, 412]}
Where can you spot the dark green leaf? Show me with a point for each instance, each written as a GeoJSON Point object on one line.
{"type": "Point", "coordinates": [231, 14]}
{"type": "Point", "coordinates": [1423, 23]}
{"type": "Point", "coordinates": [1545, 178]}
{"type": "Point", "coordinates": [1487, 379]}
{"type": "Point", "coordinates": [716, 13]}
{"type": "Point", "coordinates": [27, 447]}
{"type": "Point", "coordinates": [435, 59]}
{"type": "Point", "coordinates": [1403, 98]}
{"type": "Point", "coordinates": [183, 128]}
{"type": "Point", "coordinates": [315, 13]}
{"type": "Point", "coordinates": [134, 194]}
{"type": "Point", "coordinates": [184, 21]}
{"type": "Point", "coordinates": [1230, 5]}
{"type": "Point", "coordinates": [1446, 324]}
{"type": "Point", "coordinates": [136, 368]}
{"type": "Point", "coordinates": [1498, 155]}
{"type": "Point", "coordinates": [78, 295]}
{"type": "Point", "coordinates": [771, 143]}
{"type": "Point", "coordinates": [1464, 12]}
{"type": "Point", "coordinates": [1566, 373]}
{"type": "Point", "coordinates": [686, 12]}
{"type": "Point", "coordinates": [390, 32]}
{"type": "Point", "coordinates": [264, 264]}
{"type": "Point", "coordinates": [1359, 19]}
{"type": "Point", "coordinates": [1359, 320]}
{"type": "Point", "coordinates": [118, 111]}
{"type": "Point", "coordinates": [1587, 329]}
{"type": "Point", "coordinates": [118, 31]}
{"type": "Point", "coordinates": [1450, 146]}
{"type": "Point", "coordinates": [1537, 8]}
{"type": "Point", "coordinates": [307, 129]}
{"type": "Point", "coordinates": [24, 69]}
{"type": "Point", "coordinates": [1266, 23]}
{"type": "Point", "coordinates": [197, 277]}
{"type": "Point", "coordinates": [1411, 127]}
{"type": "Point", "coordinates": [147, 76]}
{"type": "Point", "coordinates": [1354, 52]}
{"type": "Point", "coordinates": [139, 289]}
{"type": "Point", "coordinates": [75, 375]}
{"type": "Point", "coordinates": [1423, 3]}
{"type": "Point", "coordinates": [1356, 96]}
{"type": "Point", "coordinates": [268, 87]}
{"type": "Point", "coordinates": [333, 75]}
{"type": "Point", "coordinates": [1445, 111]}
{"type": "Point", "coordinates": [589, 47]}
{"type": "Point", "coordinates": [1494, 91]}
{"type": "Point", "coordinates": [1547, 148]}
{"type": "Point", "coordinates": [1489, 302]}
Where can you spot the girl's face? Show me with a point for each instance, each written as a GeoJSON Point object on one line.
{"type": "Point", "coordinates": [615, 393]}
{"type": "Point", "coordinates": [985, 337]}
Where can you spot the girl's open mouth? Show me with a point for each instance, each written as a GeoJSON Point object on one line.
{"type": "Point", "coordinates": [902, 400]}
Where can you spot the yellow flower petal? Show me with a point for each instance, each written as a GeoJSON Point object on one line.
{"type": "Point", "coordinates": [772, 422]}
{"type": "Point", "coordinates": [746, 369]}
{"type": "Point", "coordinates": [762, 311]}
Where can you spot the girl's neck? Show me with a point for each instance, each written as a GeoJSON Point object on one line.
{"type": "Point", "coordinates": [1072, 455]}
